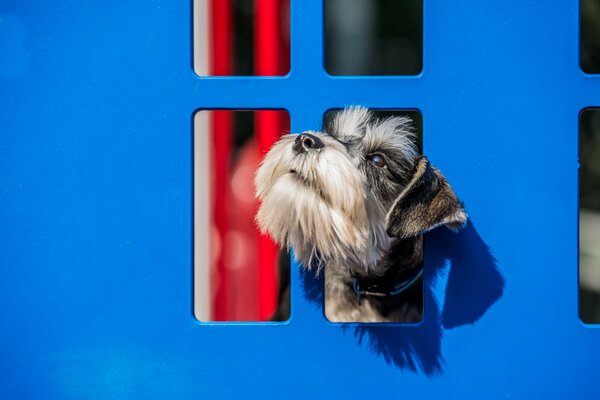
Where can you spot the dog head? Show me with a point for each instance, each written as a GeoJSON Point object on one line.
{"type": "Point", "coordinates": [347, 193]}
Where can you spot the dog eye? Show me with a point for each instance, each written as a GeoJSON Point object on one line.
{"type": "Point", "coordinates": [377, 160]}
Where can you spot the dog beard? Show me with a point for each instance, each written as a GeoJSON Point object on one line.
{"type": "Point", "coordinates": [317, 203]}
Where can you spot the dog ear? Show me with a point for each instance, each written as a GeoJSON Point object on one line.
{"type": "Point", "coordinates": [427, 202]}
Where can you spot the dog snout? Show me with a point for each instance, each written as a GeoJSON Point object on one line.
{"type": "Point", "coordinates": [307, 142]}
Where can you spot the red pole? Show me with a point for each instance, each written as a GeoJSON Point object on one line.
{"type": "Point", "coordinates": [221, 128]}
{"type": "Point", "coordinates": [268, 52]}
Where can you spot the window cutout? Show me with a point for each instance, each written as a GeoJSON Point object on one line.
{"type": "Point", "coordinates": [237, 271]}
{"type": "Point", "coordinates": [241, 37]}
{"type": "Point", "coordinates": [589, 216]}
{"type": "Point", "coordinates": [589, 36]}
{"type": "Point", "coordinates": [373, 37]}
{"type": "Point", "coordinates": [398, 294]}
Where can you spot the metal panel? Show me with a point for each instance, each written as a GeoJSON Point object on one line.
{"type": "Point", "coordinates": [96, 210]}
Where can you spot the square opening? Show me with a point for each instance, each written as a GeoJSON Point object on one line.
{"type": "Point", "coordinates": [373, 37]}
{"type": "Point", "coordinates": [589, 36]}
{"type": "Point", "coordinates": [238, 272]}
{"type": "Point", "coordinates": [241, 37]}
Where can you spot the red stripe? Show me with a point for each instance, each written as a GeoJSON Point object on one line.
{"type": "Point", "coordinates": [220, 37]}
{"type": "Point", "coordinates": [221, 125]}
{"type": "Point", "coordinates": [268, 54]}
{"type": "Point", "coordinates": [268, 126]}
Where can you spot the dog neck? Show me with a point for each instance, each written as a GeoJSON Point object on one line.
{"type": "Point", "coordinates": [398, 269]}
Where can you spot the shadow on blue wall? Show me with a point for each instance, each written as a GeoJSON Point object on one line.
{"type": "Point", "coordinates": [474, 283]}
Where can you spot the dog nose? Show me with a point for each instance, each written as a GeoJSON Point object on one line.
{"type": "Point", "coordinates": [306, 142]}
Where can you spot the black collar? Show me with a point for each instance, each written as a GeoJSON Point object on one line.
{"type": "Point", "coordinates": [364, 289]}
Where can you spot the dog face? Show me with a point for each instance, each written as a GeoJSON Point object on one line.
{"type": "Point", "coordinates": [346, 193]}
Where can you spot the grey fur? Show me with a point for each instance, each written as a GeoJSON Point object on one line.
{"type": "Point", "coordinates": [342, 212]}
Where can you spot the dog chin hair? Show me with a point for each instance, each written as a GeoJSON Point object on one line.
{"type": "Point", "coordinates": [316, 205]}
{"type": "Point", "coordinates": [337, 232]}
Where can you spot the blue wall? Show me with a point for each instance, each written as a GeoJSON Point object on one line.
{"type": "Point", "coordinates": [96, 255]}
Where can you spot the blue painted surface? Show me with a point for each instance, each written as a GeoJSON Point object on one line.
{"type": "Point", "coordinates": [96, 104]}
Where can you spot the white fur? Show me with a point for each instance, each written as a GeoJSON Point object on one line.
{"type": "Point", "coordinates": [324, 208]}
{"type": "Point", "coordinates": [351, 122]}
{"type": "Point", "coordinates": [321, 206]}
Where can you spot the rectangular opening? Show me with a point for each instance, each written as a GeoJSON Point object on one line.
{"type": "Point", "coordinates": [373, 37]}
{"type": "Point", "coordinates": [589, 216]}
{"type": "Point", "coordinates": [589, 36]}
{"type": "Point", "coordinates": [241, 37]}
{"type": "Point", "coordinates": [394, 292]}
{"type": "Point", "coordinates": [238, 271]}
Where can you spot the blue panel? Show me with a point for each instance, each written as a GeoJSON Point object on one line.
{"type": "Point", "coordinates": [96, 210]}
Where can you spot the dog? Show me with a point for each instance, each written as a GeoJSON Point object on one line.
{"type": "Point", "coordinates": [354, 201]}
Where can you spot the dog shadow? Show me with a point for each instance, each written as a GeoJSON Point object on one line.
{"type": "Point", "coordinates": [473, 285]}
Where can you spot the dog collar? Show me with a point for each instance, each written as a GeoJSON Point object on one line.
{"type": "Point", "coordinates": [373, 289]}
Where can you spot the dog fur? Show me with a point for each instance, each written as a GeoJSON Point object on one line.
{"type": "Point", "coordinates": [354, 201]}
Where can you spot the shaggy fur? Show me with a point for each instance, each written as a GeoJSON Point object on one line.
{"type": "Point", "coordinates": [355, 200]}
